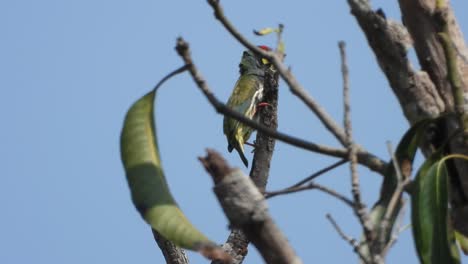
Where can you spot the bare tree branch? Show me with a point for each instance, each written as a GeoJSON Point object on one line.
{"type": "Point", "coordinates": [172, 253]}
{"type": "Point", "coordinates": [264, 144]}
{"type": "Point", "coordinates": [389, 40]}
{"type": "Point", "coordinates": [353, 242]}
{"type": "Point", "coordinates": [402, 181]}
{"type": "Point", "coordinates": [359, 207]}
{"type": "Point", "coordinates": [246, 209]}
{"type": "Point", "coordinates": [396, 198]}
{"type": "Point", "coordinates": [397, 230]}
{"type": "Point", "coordinates": [318, 173]}
{"type": "Point", "coordinates": [236, 246]}
{"type": "Point", "coordinates": [299, 186]}
{"type": "Point", "coordinates": [311, 186]}
{"type": "Point", "coordinates": [424, 21]}
{"type": "Point", "coordinates": [365, 158]}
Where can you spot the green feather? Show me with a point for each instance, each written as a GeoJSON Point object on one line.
{"type": "Point", "coordinates": [244, 98]}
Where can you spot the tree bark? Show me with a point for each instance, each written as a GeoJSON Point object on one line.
{"type": "Point", "coordinates": [246, 209]}
{"type": "Point", "coordinates": [425, 93]}
{"type": "Point", "coordinates": [172, 253]}
{"type": "Point", "coordinates": [424, 21]}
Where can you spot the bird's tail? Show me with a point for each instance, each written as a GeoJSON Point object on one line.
{"type": "Point", "coordinates": [240, 150]}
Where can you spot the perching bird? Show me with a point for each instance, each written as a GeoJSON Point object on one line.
{"type": "Point", "coordinates": [247, 93]}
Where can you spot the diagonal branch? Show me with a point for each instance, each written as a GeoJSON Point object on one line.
{"type": "Point", "coordinates": [318, 173]}
{"type": "Point", "coordinates": [311, 186]}
{"type": "Point", "coordinates": [353, 242]}
{"type": "Point", "coordinates": [390, 41]}
{"type": "Point", "coordinates": [365, 158]}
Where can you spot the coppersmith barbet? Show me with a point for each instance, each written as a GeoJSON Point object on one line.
{"type": "Point", "coordinates": [247, 94]}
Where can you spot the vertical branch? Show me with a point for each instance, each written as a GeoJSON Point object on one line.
{"type": "Point", "coordinates": [359, 206]}
{"type": "Point", "coordinates": [264, 144]}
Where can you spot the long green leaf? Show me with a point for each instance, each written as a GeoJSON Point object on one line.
{"type": "Point", "coordinates": [433, 235]}
{"type": "Point", "coordinates": [148, 186]}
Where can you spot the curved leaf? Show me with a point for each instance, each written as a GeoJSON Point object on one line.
{"type": "Point", "coordinates": [433, 235]}
{"type": "Point", "coordinates": [148, 186]}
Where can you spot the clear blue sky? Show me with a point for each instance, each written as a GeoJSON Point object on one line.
{"type": "Point", "coordinates": [69, 72]}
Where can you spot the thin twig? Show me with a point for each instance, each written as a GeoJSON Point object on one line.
{"type": "Point", "coordinates": [359, 206]}
{"type": "Point", "coordinates": [299, 185]}
{"type": "Point", "coordinates": [320, 172]}
{"type": "Point", "coordinates": [385, 223]}
{"type": "Point", "coordinates": [396, 197]}
{"type": "Point", "coordinates": [398, 229]}
{"type": "Point", "coordinates": [365, 158]}
{"type": "Point", "coordinates": [394, 239]}
{"type": "Point", "coordinates": [288, 77]}
{"type": "Point", "coordinates": [311, 186]}
{"type": "Point", "coordinates": [353, 242]}
{"type": "Point", "coordinates": [170, 75]}
{"type": "Point", "coordinates": [402, 182]}
{"type": "Point", "coordinates": [395, 164]}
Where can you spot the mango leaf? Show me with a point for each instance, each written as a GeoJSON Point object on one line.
{"type": "Point", "coordinates": [145, 176]}
{"type": "Point", "coordinates": [433, 235]}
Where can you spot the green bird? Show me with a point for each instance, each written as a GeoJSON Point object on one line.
{"type": "Point", "coordinates": [247, 94]}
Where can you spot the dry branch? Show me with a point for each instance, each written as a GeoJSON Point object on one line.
{"type": "Point", "coordinates": [359, 207]}
{"type": "Point", "coordinates": [246, 209]}
{"type": "Point", "coordinates": [353, 242]}
{"type": "Point", "coordinates": [388, 39]}
{"type": "Point", "coordinates": [311, 186]}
